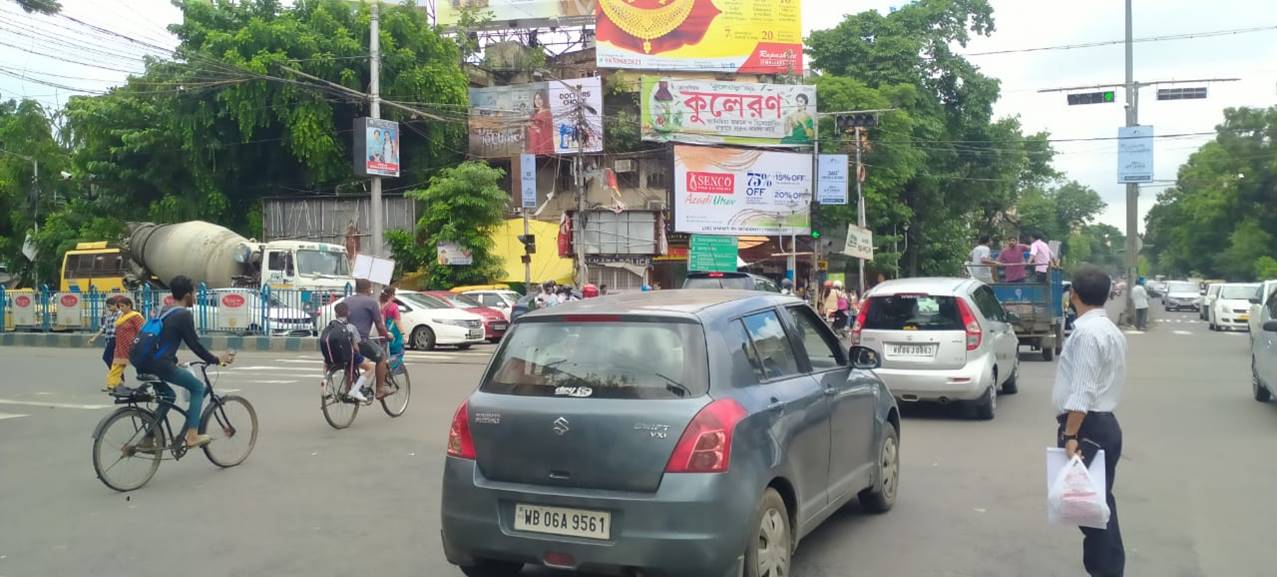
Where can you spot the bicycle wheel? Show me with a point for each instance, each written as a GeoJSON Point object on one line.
{"type": "Point", "coordinates": [118, 458]}
{"type": "Point", "coordinates": [400, 387]}
{"type": "Point", "coordinates": [338, 411]}
{"type": "Point", "coordinates": [233, 427]}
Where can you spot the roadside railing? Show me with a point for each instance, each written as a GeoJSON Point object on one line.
{"type": "Point", "coordinates": [241, 311]}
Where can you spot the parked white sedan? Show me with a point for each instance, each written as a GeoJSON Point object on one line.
{"type": "Point", "coordinates": [430, 322]}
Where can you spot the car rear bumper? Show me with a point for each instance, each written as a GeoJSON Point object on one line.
{"type": "Point", "coordinates": [693, 525]}
{"type": "Point", "coordinates": [491, 330]}
{"type": "Point", "coordinates": [964, 384]}
{"type": "Point", "coordinates": [1232, 322]}
{"type": "Point", "coordinates": [454, 335]}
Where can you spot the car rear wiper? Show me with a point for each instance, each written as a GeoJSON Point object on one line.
{"type": "Point", "coordinates": [674, 386]}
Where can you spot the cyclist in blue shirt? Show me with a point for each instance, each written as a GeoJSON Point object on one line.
{"type": "Point", "coordinates": [179, 327]}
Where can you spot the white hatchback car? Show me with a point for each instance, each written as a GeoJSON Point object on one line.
{"type": "Point", "coordinates": [941, 339]}
{"type": "Point", "coordinates": [1266, 293]}
{"type": "Point", "coordinates": [1230, 309]}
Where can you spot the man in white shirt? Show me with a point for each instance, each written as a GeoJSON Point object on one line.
{"type": "Point", "coordinates": [1139, 296]}
{"type": "Point", "coordinates": [980, 265]}
{"type": "Point", "coordinates": [1088, 386]}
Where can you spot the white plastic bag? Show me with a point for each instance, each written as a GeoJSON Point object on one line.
{"type": "Point", "coordinates": [1075, 498]}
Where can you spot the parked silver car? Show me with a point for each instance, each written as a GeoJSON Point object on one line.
{"type": "Point", "coordinates": [941, 339]}
{"type": "Point", "coordinates": [1263, 352]}
{"type": "Point", "coordinates": [681, 432]}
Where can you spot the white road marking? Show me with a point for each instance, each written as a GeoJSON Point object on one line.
{"type": "Point", "coordinates": [1134, 332]}
{"type": "Point", "coordinates": [1182, 333]}
{"type": "Point", "coordinates": [246, 369]}
{"type": "Point", "coordinates": [4, 416]}
{"type": "Point", "coordinates": [53, 405]}
{"type": "Point", "coordinates": [272, 382]}
{"type": "Point", "coordinates": [301, 360]}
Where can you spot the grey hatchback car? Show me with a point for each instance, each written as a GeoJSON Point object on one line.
{"type": "Point", "coordinates": [679, 432]}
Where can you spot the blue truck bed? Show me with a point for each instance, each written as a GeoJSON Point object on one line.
{"type": "Point", "coordinates": [1039, 306]}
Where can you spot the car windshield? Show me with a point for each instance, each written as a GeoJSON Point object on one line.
{"type": "Point", "coordinates": [1239, 292]}
{"type": "Point", "coordinates": [424, 301]}
{"type": "Point", "coordinates": [464, 301]}
{"type": "Point", "coordinates": [619, 359]}
{"type": "Point", "coordinates": [322, 262]}
{"type": "Point", "coordinates": [727, 282]}
{"type": "Point", "coordinates": [1182, 287]}
{"type": "Point", "coordinates": [913, 313]}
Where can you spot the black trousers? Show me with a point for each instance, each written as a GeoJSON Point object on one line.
{"type": "Point", "coordinates": [1102, 552]}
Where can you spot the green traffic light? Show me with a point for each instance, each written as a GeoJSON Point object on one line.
{"type": "Point", "coordinates": [815, 234]}
{"type": "Point", "coordinates": [1109, 96]}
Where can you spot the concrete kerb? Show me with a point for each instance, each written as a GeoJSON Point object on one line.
{"type": "Point", "coordinates": [216, 343]}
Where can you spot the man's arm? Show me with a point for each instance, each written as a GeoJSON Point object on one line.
{"type": "Point", "coordinates": [186, 330]}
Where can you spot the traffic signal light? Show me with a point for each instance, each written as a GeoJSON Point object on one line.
{"type": "Point", "coordinates": [1092, 98]}
{"type": "Point", "coordinates": [529, 243]}
{"type": "Point", "coordinates": [815, 233]}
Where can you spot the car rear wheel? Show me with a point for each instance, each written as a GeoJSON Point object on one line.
{"type": "Point", "coordinates": [881, 497]}
{"type": "Point", "coordinates": [1048, 351]}
{"type": "Point", "coordinates": [489, 568]}
{"type": "Point", "coordinates": [423, 339]}
{"type": "Point", "coordinates": [987, 405]}
{"type": "Point", "coordinates": [1012, 386]}
{"type": "Point", "coordinates": [768, 553]}
{"type": "Point", "coordinates": [1262, 394]}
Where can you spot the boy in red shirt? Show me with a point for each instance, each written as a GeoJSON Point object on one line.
{"type": "Point", "coordinates": [127, 326]}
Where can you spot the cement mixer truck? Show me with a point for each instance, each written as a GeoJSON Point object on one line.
{"type": "Point", "coordinates": [220, 258]}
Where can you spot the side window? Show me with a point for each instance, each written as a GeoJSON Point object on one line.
{"type": "Point", "coordinates": [988, 303]}
{"type": "Point", "coordinates": [281, 261]}
{"type": "Point", "coordinates": [822, 348]}
{"type": "Point", "coordinates": [771, 344]}
{"type": "Point", "coordinates": [73, 260]}
{"type": "Point", "coordinates": [1272, 304]}
{"type": "Point", "coordinates": [746, 368]}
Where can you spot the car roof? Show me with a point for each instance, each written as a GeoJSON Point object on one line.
{"type": "Point", "coordinates": [704, 304]}
{"type": "Point", "coordinates": [928, 285]}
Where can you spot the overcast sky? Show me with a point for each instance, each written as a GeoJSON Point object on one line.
{"type": "Point", "coordinates": [1020, 24]}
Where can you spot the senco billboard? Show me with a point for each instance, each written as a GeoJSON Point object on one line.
{"type": "Point", "coordinates": [740, 191]}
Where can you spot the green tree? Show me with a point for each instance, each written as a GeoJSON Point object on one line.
{"type": "Point", "coordinates": [28, 138]}
{"type": "Point", "coordinates": [1058, 212]}
{"type": "Point", "coordinates": [40, 6]}
{"type": "Point", "coordinates": [462, 205]}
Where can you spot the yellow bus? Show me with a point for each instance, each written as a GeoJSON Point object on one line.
{"type": "Point", "coordinates": [93, 263]}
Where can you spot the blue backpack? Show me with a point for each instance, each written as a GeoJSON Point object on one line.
{"type": "Point", "coordinates": [146, 345]}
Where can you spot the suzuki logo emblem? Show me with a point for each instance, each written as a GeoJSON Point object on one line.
{"type": "Point", "coordinates": [561, 426]}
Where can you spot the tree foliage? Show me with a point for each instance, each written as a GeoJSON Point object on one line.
{"type": "Point", "coordinates": [939, 166]}
{"type": "Point", "coordinates": [462, 205]}
{"type": "Point", "coordinates": [1219, 218]}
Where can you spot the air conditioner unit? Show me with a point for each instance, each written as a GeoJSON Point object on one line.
{"type": "Point", "coordinates": [625, 165]}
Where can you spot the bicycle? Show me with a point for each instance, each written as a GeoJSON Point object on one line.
{"type": "Point", "coordinates": [135, 438]}
{"type": "Point", "coordinates": [340, 409]}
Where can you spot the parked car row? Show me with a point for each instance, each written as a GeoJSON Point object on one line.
{"type": "Point", "coordinates": [1263, 344]}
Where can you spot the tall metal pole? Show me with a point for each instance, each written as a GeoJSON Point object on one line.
{"type": "Point", "coordinates": [1132, 189]}
{"type": "Point", "coordinates": [813, 295]}
{"type": "Point", "coordinates": [583, 273]}
{"type": "Point", "coordinates": [374, 88]}
{"type": "Point", "coordinates": [527, 264]}
{"type": "Point", "coordinates": [860, 211]}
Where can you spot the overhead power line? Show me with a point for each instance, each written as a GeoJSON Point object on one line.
{"type": "Point", "coordinates": [1164, 38]}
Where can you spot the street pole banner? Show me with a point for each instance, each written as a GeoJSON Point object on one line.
{"type": "Point", "coordinates": [741, 191]}
{"type": "Point", "coordinates": [831, 179]}
{"type": "Point", "coordinates": [860, 243]}
{"type": "Point", "coordinates": [712, 112]}
{"type": "Point", "coordinates": [539, 118]}
{"type": "Point", "coordinates": [733, 36]}
{"type": "Point", "coordinates": [1134, 154]}
{"type": "Point", "coordinates": [528, 180]}
{"type": "Point", "coordinates": [376, 147]}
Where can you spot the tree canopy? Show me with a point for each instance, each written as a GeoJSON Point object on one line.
{"type": "Point", "coordinates": [1219, 219]}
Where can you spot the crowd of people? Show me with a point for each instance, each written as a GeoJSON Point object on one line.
{"type": "Point", "coordinates": [1015, 262]}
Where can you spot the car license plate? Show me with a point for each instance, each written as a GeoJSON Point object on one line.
{"type": "Point", "coordinates": [475, 334]}
{"type": "Point", "coordinates": [499, 326]}
{"type": "Point", "coordinates": [563, 521]}
{"type": "Point", "coordinates": [1245, 317]}
{"type": "Point", "coordinates": [922, 351]}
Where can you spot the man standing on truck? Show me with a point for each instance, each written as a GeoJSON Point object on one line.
{"type": "Point", "coordinates": [1012, 259]}
{"type": "Point", "coordinates": [980, 266]}
{"type": "Point", "coordinates": [1040, 256]}
{"type": "Point", "coordinates": [365, 313]}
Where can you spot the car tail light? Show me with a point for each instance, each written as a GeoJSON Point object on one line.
{"type": "Point", "coordinates": [460, 443]}
{"type": "Point", "coordinates": [971, 325]}
{"type": "Point", "coordinates": [706, 444]}
{"type": "Point", "coordinates": [860, 322]}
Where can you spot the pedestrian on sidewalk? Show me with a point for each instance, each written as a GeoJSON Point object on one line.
{"type": "Point", "coordinates": [1088, 386]}
{"type": "Point", "coordinates": [127, 324]}
{"type": "Point", "coordinates": [1139, 295]}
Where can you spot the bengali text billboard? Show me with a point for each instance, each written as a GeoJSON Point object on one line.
{"type": "Point", "coordinates": [741, 191]}
{"type": "Point", "coordinates": [711, 112]}
{"type": "Point", "coordinates": [735, 36]}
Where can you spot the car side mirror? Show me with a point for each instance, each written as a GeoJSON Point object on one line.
{"type": "Point", "coordinates": [1254, 300]}
{"type": "Point", "coordinates": [864, 358]}
{"type": "Point", "coordinates": [1270, 326]}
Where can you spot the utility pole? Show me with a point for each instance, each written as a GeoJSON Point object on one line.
{"type": "Point", "coordinates": [374, 89]}
{"type": "Point", "coordinates": [582, 128]}
{"type": "Point", "coordinates": [860, 211]}
{"type": "Point", "coordinates": [1132, 188]}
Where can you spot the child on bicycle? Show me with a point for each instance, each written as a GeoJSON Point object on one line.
{"type": "Point", "coordinates": [127, 325]}
{"type": "Point", "coordinates": [366, 367]}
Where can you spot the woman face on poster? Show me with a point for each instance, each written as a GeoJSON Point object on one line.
{"type": "Point", "coordinates": [538, 102]}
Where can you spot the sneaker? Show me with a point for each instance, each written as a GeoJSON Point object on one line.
{"type": "Point", "coordinates": [357, 395]}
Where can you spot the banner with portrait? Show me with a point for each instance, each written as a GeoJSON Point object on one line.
{"type": "Point", "coordinates": [741, 191]}
{"type": "Point", "coordinates": [733, 36]}
{"type": "Point", "coordinates": [540, 118]}
{"type": "Point", "coordinates": [376, 147]}
{"type": "Point", "coordinates": [713, 112]}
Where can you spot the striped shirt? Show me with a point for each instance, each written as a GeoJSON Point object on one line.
{"type": "Point", "coordinates": [1092, 367]}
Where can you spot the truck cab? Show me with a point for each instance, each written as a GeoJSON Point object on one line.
{"type": "Point", "coordinates": [299, 265]}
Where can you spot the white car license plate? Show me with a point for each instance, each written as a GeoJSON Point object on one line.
{"type": "Point", "coordinates": [563, 521]}
{"type": "Point", "coordinates": [923, 351]}
{"type": "Point", "coordinates": [476, 334]}
{"type": "Point", "coordinates": [499, 326]}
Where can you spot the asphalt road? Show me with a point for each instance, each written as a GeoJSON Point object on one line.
{"type": "Point", "coordinates": [1195, 486]}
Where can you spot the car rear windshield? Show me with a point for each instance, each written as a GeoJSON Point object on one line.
{"type": "Point", "coordinates": [614, 358]}
{"type": "Point", "coordinates": [913, 312]}
{"type": "Point", "coordinates": [1182, 287]}
{"type": "Point", "coordinates": [1239, 292]}
{"type": "Point", "coordinates": [727, 282]}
